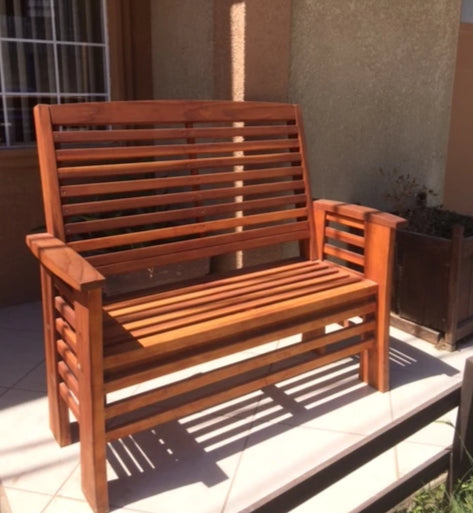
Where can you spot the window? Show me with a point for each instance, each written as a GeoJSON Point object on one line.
{"type": "Point", "coordinates": [467, 11]}
{"type": "Point", "coordinates": [51, 51]}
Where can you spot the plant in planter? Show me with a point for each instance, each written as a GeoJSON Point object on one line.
{"type": "Point", "coordinates": [433, 276]}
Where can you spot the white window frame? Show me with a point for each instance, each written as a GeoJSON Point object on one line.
{"type": "Point", "coordinates": [58, 94]}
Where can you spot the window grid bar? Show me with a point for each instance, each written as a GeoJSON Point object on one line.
{"type": "Point", "coordinates": [49, 41]}
{"type": "Point", "coordinates": [106, 45]}
{"type": "Point", "coordinates": [6, 122]}
{"type": "Point", "coordinates": [55, 52]}
{"type": "Point", "coordinates": [58, 95]}
{"type": "Point", "coordinates": [49, 95]}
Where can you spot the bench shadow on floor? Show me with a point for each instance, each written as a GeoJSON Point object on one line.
{"type": "Point", "coordinates": [181, 453]}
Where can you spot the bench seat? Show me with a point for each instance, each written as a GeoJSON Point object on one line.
{"type": "Point", "coordinates": [156, 334]}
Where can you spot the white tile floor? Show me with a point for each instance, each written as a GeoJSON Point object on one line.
{"type": "Point", "coordinates": [224, 459]}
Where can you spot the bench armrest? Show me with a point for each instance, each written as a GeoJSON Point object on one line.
{"type": "Point", "coordinates": [64, 262]}
{"type": "Point", "coordinates": [360, 213]}
{"type": "Point", "coordinates": [358, 235]}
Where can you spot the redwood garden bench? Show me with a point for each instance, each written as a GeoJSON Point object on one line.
{"type": "Point", "coordinates": [136, 185]}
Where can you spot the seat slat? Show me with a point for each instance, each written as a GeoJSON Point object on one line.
{"type": "Point", "coordinates": [207, 289]}
{"type": "Point", "coordinates": [147, 134]}
{"type": "Point", "coordinates": [146, 184]}
{"type": "Point", "coordinates": [349, 288]}
{"type": "Point", "coordinates": [239, 293]}
{"type": "Point", "coordinates": [102, 170]}
{"type": "Point", "coordinates": [123, 377]}
{"type": "Point", "coordinates": [221, 307]}
{"type": "Point", "coordinates": [133, 152]}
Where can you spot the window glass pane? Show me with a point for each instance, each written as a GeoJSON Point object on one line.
{"type": "Point", "coordinates": [79, 20]}
{"type": "Point", "coordinates": [20, 118]}
{"type": "Point", "coordinates": [28, 67]}
{"type": "Point", "coordinates": [467, 11]}
{"type": "Point", "coordinates": [81, 69]}
{"type": "Point", "coordinates": [26, 19]}
{"type": "Point", "coordinates": [82, 99]}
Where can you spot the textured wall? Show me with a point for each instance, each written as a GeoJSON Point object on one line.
{"type": "Point", "coordinates": [182, 39]}
{"type": "Point", "coordinates": [374, 78]}
{"type": "Point", "coordinates": [21, 211]}
{"type": "Point", "coordinates": [459, 173]}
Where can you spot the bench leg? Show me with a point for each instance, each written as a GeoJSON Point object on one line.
{"type": "Point", "coordinates": [91, 400]}
{"type": "Point", "coordinates": [58, 411]}
{"type": "Point", "coordinates": [93, 461]}
{"type": "Point", "coordinates": [374, 363]}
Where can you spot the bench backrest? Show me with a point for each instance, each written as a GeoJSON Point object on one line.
{"type": "Point", "coordinates": [135, 184]}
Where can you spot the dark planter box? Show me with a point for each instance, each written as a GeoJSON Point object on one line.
{"type": "Point", "coordinates": [433, 286]}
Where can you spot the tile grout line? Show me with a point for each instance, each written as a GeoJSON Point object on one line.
{"type": "Point", "coordinates": [35, 367]}
{"type": "Point", "coordinates": [245, 446]}
{"type": "Point", "coordinates": [22, 490]}
{"type": "Point", "coordinates": [396, 453]}
{"type": "Point", "coordinates": [71, 473]}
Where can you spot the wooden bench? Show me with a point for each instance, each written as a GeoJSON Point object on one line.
{"type": "Point", "coordinates": [137, 185]}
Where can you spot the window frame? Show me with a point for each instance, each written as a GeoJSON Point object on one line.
{"type": "Point", "coordinates": [58, 96]}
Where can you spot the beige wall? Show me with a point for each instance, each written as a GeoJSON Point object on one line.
{"type": "Point", "coordinates": [459, 172]}
{"type": "Point", "coordinates": [21, 211]}
{"type": "Point", "coordinates": [224, 49]}
{"type": "Point", "coordinates": [374, 78]}
{"type": "Point", "coordinates": [182, 39]}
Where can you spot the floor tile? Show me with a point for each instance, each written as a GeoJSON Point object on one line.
{"type": "Point", "coordinates": [275, 454]}
{"type": "Point", "coordinates": [439, 433]}
{"type": "Point", "coordinates": [354, 489]}
{"type": "Point", "coordinates": [328, 398]}
{"type": "Point", "coordinates": [22, 351]}
{"type": "Point", "coordinates": [64, 505]}
{"type": "Point", "coordinates": [410, 455]}
{"type": "Point", "coordinates": [23, 317]}
{"type": "Point", "coordinates": [179, 466]}
{"type": "Point", "coordinates": [35, 380]}
{"type": "Point", "coordinates": [31, 458]}
{"type": "Point", "coordinates": [21, 501]}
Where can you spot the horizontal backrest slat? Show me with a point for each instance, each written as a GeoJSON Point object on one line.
{"type": "Point", "coordinates": [137, 181]}
{"type": "Point", "coordinates": [129, 260]}
{"type": "Point", "coordinates": [130, 203]}
{"type": "Point", "coordinates": [190, 229]}
{"type": "Point", "coordinates": [127, 169]}
{"type": "Point", "coordinates": [157, 134]}
{"type": "Point", "coordinates": [125, 221]}
{"type": "Point", "coordinates": [88, 154]}
{"type": "Point", "coordinates": [144, 184]}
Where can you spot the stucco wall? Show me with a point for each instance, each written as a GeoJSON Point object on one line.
{"type": "Point", "coordinates": [459, 172]}
{"type": "Point", "coordinates": [374, 78]}
{"type": "Point", "coordinates": [21, 211]}
{"type": "Point", "coordinates": [182, 53]}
